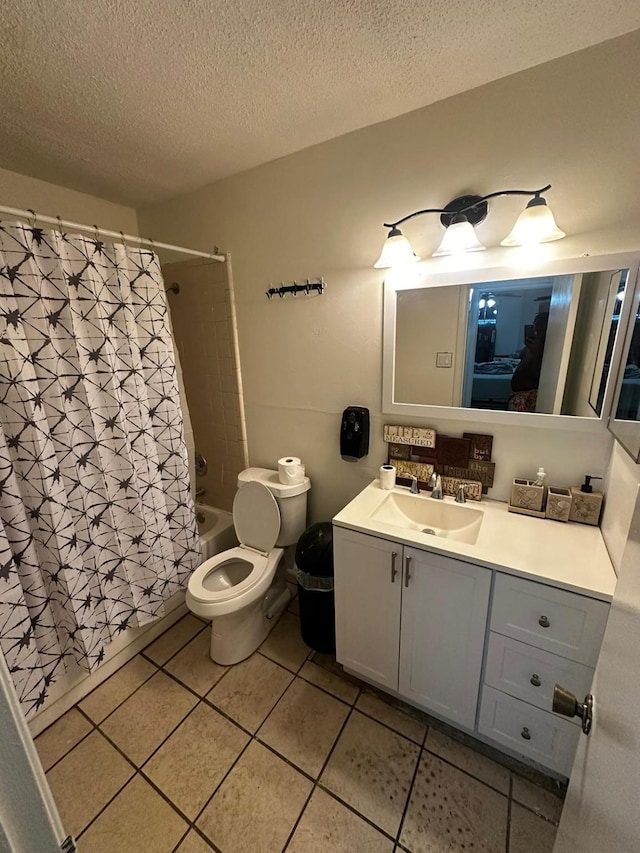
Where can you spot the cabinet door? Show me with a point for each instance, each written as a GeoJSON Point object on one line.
{"type": "Point", "coordinates": [368, 591]}
{"type": "Point", "coordinates": [444, 616]}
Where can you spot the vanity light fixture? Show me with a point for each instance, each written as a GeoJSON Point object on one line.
{"type": "Point", "coordinates": [535, 224]}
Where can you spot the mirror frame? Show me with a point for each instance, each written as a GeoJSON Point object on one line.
{"type": "Point", "coordinates": [626, 433]}
{"type": "Point", "coordinates": [423, 279]}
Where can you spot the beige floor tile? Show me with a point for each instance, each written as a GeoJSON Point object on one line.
{"type": "Point", "coordinates": [117, 688]}
{"type": "Point", "coordinates": [79, 791]}
{"type": "Point", "coordinates": [396, 719]}
{"type": "Point", "coordinates": [449, 810]}
{"type": "Point", "coordinates": [193, 843]}
{"type": "Point", "coordinates": [530, 834]}
{"type": "Point", "coordinates": [174, 639]}
{"type": "Point", "coordinates": [468, 759]}
{"type": "Point", "coordinates": [141, 723]}
{"type": "Point", "coordinates": [257, 805]}
{"type": "Point", "coordinates": [538, 799]}
{"type": "Point", "coordinates": [138, 819]}
{"type": "Point", "coordinates": [330, 681]}
{"type": "Point", "coordinates": [194, 667]}
{"type": "Point", "coordinates": [285, 645]}
{"type": "Point", "coordinates": [371, 769]}
{"type": "Point", "coordinates": [61, 737]}
{"type": "Point", "coordinates": [189, 766]}
{"type": "Point", "coordinates": [304, 726]}
{"type": "Point", "coordinates": [250, 690]}
{"type": "Point", "coordinates": [327, 825]}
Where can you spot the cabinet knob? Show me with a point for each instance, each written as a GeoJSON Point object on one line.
{"type": "Point", "coordinates": [535, 680]}
{"type": "Point", "coordinates": [544, 622]}
{"type": "Point", "coordinates": [525, 733]}
{"type": "Point", "coordinates": [394, 571]}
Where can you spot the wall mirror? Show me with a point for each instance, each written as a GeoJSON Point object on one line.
{"type": "Point", "coordinates": [625, 416]}
{"type": "Point", "coordinates": [520, 347]}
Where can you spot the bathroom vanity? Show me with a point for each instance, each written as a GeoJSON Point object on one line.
{"type": "Point", "coordinates": [472, 614]}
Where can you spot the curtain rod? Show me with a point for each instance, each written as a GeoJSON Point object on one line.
{"type": "Point", "coordinates": [126, 238]}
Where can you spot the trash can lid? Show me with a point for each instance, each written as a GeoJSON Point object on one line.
{"type": "Point", "coordinates": [314, 551]}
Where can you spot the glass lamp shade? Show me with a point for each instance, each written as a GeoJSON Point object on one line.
{"type": "Point", "coordinates": [535, 224]}
{"type": "Point", "coordinates": [459, 237]}
{"type": "Point", "coordinates": [396, 251]}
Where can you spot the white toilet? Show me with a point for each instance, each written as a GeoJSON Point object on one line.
{"type": "Point", "coordinates": [239, 589]}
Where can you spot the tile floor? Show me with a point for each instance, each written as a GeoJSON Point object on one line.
{"type": "Point", "coordinates": [175, 753]}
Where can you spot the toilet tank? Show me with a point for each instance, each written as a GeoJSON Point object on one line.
{"type": "Point", "coordinates": [291, 500]}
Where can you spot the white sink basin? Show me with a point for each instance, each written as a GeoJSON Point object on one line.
{"type": "Point", "coordinates": [438, 518]}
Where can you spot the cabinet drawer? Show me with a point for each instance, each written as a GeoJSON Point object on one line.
{"type": "Point", "coordinates": [529, 673]}
{"type": "Point", "coordinates": [561, 622]}
{"type": "Point", "coordinates": [528, 731]}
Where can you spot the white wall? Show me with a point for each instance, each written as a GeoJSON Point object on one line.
{"type": "Point", "coordinates": [51, 200]}
{"type": "Point", "coordinates": [573, 122]}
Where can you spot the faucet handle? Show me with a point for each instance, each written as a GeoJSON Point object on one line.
{"type": "Point", "coordinates": [461, 497]}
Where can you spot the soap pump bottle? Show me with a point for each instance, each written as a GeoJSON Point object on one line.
{"type": "Point", "coordinates": [586, 487]}
{"type": "Point", "coordinates": [586, 504]}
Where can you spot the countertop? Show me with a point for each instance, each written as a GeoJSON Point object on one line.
{"type": "Point", "coordinates": [568, 555]}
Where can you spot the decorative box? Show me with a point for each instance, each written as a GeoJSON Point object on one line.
{"type": "Point", "coordinates": [558, 503]}
{"type": "Point", "coordinates": [585, 506]}
{"type": "Point", "coordinates": [526, 495]}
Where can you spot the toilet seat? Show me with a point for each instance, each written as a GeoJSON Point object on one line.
{"type": "Point", "coordinates": [210, 603]}
{"type": "Point", "coordinates": [257, 521]}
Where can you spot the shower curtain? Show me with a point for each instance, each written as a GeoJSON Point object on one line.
{"type": "Point", "coordinates": [97, 525]}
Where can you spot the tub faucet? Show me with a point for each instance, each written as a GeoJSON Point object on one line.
{"type": "Point", "coordinates": [201, 492]}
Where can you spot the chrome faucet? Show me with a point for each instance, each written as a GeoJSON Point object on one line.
{"type": "Point", "coordinates": [413, 488]}
{"type": "Point", "coordinates": [461, 497]}
{"type": "Point", "coordinates": [436, 486]}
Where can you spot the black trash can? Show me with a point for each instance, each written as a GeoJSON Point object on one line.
{"type": "Point", "coordinates": [314, 574]}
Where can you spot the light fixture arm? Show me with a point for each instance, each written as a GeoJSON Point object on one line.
{"type": "Point", "coordinates": [477, 201]}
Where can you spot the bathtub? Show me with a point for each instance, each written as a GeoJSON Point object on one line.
{"type": "Point", "coordinates": [216, 530]}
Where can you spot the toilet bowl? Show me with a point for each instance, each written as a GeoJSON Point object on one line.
{"type": "Point", "coordinates": [240, 590]}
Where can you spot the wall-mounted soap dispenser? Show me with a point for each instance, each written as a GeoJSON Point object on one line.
{"type": "Point", "coordinates": [586, 504]}
{"type": "Point", "coordinates": [354, 433]}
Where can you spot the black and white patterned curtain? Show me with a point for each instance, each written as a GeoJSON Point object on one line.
{"type": "Point", "coordinates": [97, 525]}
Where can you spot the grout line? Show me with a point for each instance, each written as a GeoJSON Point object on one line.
{"type": "Point", "coordinates": [77, 743]}
{"type": "Point", "coordinates": [138, 771]}
{"type": "Point", "coordinates": [389, 728]}
{"type": "Point", "coordinates": [467, 772]}
{"type": "Point", "coordinates": [298, 819]}
{"type": "Point", "coordinates": [409, 793]}
{"type": "Point", "coordinates": [354, 811]}
{"type": "Point", "coordinates": [509, 804]}
{"type": "Point", "coordinates": [177, 651]}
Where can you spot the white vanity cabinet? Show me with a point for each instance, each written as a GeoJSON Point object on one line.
{"type": "Point", "coordinates": [412, 621]}
{"type": "Point", "coordinates": [475, 623]}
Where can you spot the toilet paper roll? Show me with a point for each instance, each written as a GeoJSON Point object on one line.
{"type": "Point", "coordinates": [387, 476]}
{"type": "Point", "coordinates": [290, 470]}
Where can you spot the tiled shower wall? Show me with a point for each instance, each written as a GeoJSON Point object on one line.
{"type": "Point", "coordinates": [204, 326]}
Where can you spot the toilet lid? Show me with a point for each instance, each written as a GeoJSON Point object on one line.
{"type": "Point", "coordinates": [256, 517]}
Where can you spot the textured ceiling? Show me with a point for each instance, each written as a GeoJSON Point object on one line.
{"type": "Point", "coordinates": [137, 100]}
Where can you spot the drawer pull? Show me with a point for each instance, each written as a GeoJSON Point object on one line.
{"type": "Point", "coordinates": [394, 571]}
{"type": "Point", "coordinates": [543, 622]}
{"type": "Point", "coordinates": [535, 680]}
{"type": "Point", "coordinates": [525, 733]}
